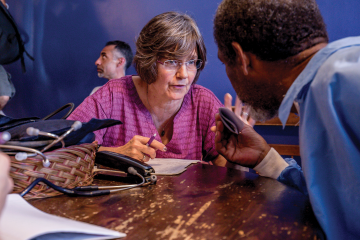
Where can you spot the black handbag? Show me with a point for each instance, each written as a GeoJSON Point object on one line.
{"type": "Point", "coordinates": [19, 136]}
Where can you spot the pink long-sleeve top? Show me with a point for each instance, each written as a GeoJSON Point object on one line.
{"type": "Point", "coordinates": [118, 99]}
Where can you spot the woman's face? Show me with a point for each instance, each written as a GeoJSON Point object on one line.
{"type": "Point", "coordinates": [175, 82]}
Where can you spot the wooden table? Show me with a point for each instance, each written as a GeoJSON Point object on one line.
{"type": "Point", "coordinates": [205, 202]}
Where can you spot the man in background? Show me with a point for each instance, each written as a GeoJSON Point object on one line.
{"type": "Point", "coordinates": [278, 59]}
{"type": "Point", "coordinates": [114, 59]}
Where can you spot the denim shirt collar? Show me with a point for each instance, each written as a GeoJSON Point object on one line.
{"type": "Point", "coordinates": [301, 84]}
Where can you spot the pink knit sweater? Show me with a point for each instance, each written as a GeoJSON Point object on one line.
{"type": "Point", "coordinates": [118, 99]}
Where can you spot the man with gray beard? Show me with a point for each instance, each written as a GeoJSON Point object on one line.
{"type": "Point", "coordinates": [278, 59]}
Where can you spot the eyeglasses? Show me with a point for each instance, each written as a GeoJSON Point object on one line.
{"type": "Point", "coordinates": [191, 65]}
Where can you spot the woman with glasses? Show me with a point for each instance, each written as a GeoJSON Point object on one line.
{"type": "Point", "coordinates": [163, 99]}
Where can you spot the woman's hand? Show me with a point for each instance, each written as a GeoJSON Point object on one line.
{"type": "Point", "coordinates": [241, 111]}
{"type": "Point", "coordinates": [137, 148]}
{"type": "Point", "coordinates": [6, 183]}
{"type": "Point", "coordinates": [247, 149]}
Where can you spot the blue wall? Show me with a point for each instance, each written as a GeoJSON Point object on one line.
{"type": "Point", "coordinates": [65, 37]}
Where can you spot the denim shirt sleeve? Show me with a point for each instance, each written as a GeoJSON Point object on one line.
{"type": "Point", "coordinates": [293, 176]}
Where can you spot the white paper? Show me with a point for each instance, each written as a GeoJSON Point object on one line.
{"type": "Point", "coordinates": [170, 166]}
{"type": "Point", "coordinates": [22, 221]}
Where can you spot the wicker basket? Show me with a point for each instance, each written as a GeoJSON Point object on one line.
{"type": "Point", "coordinates": [70, 167]}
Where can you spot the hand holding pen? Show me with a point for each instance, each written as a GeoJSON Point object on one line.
{"type": "Point", "coordinates": [148, 144]}
{"type": "Point", "coordinates": [147, 157]}
{"type": "Point", "coordinates": [151, 140]}
{"type": "Point", "coordinates": [139, 147]}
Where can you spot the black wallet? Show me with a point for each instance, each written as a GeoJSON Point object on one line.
{"type": "Point", "coordinates": [230, 120]}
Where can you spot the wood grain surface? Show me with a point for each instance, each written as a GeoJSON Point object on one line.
{"type": "Point", "coordinates": [205, 202]}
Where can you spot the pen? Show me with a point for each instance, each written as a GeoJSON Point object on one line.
{"type": "Point", "coordinates": [151, 139]}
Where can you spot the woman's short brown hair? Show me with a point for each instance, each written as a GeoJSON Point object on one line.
{"type": "Point", "coordinates": [169, 35]}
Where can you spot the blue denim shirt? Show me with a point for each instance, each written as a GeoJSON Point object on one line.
{"type": "Point", "coordinates": [328, 93]}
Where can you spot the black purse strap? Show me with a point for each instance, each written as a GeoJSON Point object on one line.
{"type": "Point", "coordinates": [71, 105]}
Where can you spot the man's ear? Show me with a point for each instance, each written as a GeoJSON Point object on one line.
{"type": "Point", "coordinates": [241, 57]}
{"type": "Point", "coordinates": [121, 61]}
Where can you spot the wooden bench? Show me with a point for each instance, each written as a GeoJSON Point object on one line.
{"type": "Point", "coordinates": [284, 149]}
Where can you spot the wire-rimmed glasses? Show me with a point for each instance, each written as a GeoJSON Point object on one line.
{"type": "Point", "coordinates": [191, 65]}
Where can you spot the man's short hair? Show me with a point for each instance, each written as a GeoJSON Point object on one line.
{"type": "Point", "coordinates": [169, 35]}
{"type": "Point", "coordinates": [270, 29]}
{"type": "Point", "coordinates": [124, 49]}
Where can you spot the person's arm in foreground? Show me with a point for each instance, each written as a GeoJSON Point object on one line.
{"type": "Point", "coordinates": [6, 183]}
{"type": "Point", "coordinates": [249, 149]}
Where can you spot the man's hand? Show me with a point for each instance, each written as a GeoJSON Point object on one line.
{"type": "Point", "coordinates": [241, 111]}
{"type": "Point", "coordinates": [247, 149]}
{"type": "Point", "coordinates": [137, 148]}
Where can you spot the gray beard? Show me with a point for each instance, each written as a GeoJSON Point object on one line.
{"type": "Point", "coordinates": [261, 115]}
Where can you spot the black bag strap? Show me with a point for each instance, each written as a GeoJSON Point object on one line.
{"type": "Point", "coordinates": [8, 122]}
{"type": "Point", "coordinates": [71, 105]}
{"type": "Point", "coordinates": [21, 47]}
